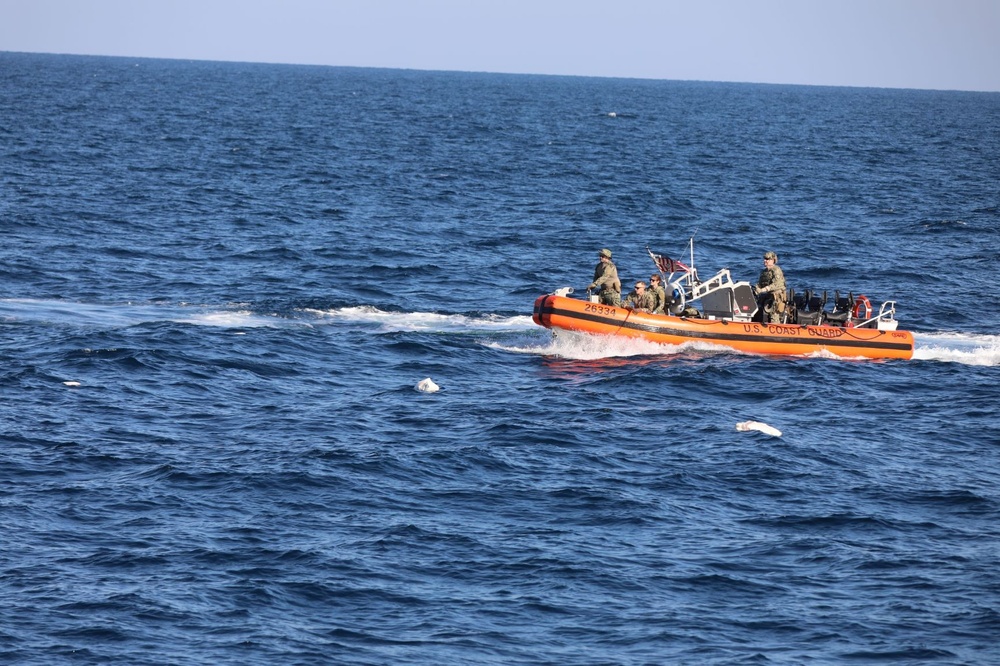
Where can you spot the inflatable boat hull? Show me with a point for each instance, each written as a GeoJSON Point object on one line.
{"type": "Point", "coordinates": [560, 312]}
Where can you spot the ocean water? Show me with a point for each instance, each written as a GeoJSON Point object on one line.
{"type": "Point", "coordinates": [222, 282]}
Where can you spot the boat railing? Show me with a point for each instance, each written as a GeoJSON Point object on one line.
{"type": "Point", "coordinates": [721, 298]}
{"type": "Point", "coordinates": [885, 320]}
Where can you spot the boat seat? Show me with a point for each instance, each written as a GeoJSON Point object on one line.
{"type": "Point", "coordinates": [841, 303]}
{"type": "Point", "coordinates": [837, 318]}
{"type": "Point", "coordinates": [800, 301]}
{"type": "Point", "coordinates": [817, 304]}
{"type": "Point", "coordinates": [841, 309]}
{"type": "Point", "coordinates": [807, 308]}
{"type": "Point", "coordinates": [809, 318]}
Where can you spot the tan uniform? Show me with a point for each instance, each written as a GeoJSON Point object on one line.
{"type": "Point", "coordinates": [635, 301]}
{"type": "Point", "coordinates": [659, 298]}
{"type": "Point", "coordinates": [772, 281]}
{"type": "Point", "coordinates": [606, 279]}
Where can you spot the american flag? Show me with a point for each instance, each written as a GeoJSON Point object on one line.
{"type": "Point", "coordinates": [666, 264]}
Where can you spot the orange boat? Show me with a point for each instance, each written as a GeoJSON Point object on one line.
{"type": "Point", "coordinates": [730, 316]}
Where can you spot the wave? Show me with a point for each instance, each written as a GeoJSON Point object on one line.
{"type": "Point", "coordinates": [429, 322]}
{"type": "Point", "coordinates": [967, 348]}
{"type": "Point", "coordinates": [73, 313]}
{"type": "Point", "coordinates": [587, 347]}
{"type": "Point", "coordinates": [235, 319]}
{"type": "Point", "coordinates": [237, 315]}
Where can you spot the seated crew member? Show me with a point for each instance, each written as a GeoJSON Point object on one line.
{"type": "Point", "coordinates": [659, 294]}
{"type": "Point", "coordinates": [640, 299]}
{"type": "Point", "coordinates": [770, 289]}
{"type": "Point", "coordinates": [606, 280]}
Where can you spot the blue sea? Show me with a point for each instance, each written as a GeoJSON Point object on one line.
{"type": "Point", "coordinates": [222, 282]}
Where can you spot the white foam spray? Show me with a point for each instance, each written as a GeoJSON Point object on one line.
{"type": "Point", "coordinates": [966, 348]}
{"type": "Point", "coordinates": [588, 347]}
{"type": "Point", "coordinates": [116, 315]}
{"type": "Point", "coordinates": [425, 321]}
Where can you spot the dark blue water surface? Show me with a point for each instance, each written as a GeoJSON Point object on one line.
{"type": "Point", "coordinates": [222, 282]}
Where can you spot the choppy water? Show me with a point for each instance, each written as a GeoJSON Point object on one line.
{"type": "Point", "coordinates": [221, 283]}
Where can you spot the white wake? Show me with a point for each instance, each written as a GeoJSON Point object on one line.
{"type": "Point", "coordinates": [426, 322]}
{"type": "Point", "coordinates": [587, 347]}
{"type": "Point", "coordinates": [119, 315]}
{"type": "Point", "coordinates": [967, 348]}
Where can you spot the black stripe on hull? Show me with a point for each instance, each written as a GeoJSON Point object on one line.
{"type": "Point", "coordinates": [548, 311]}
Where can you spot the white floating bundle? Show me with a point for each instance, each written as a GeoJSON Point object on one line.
{"type": "Point", "coordinates": [71, 383]}
{"type": "Point", "coordinates": [427, 386]}
{"type": "Point", "coordinates": [744, 426]}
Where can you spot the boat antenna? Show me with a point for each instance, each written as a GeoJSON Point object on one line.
{"type": "Point", "coordinates": [694, 271]}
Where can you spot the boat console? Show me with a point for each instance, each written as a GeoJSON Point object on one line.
{"type": "Point", "coordinates": [721, 298]}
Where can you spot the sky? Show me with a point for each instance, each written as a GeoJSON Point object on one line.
{"type": "Point", "coordinates": [929, 44]}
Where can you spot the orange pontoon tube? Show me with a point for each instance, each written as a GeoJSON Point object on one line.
{"type": "Point", "coordinates": [571, 314]}
{"type": "Point", "coordinates": [731, 316]}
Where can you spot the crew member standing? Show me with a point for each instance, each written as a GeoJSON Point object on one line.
{"type": "Point", "coordinates": [606, 280]}
{"type": "Point", "coordinates": [772, 281]}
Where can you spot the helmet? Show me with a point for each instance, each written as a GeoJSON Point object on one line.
{"type": "Point", "coordinates": [605, 253]}
{"type": "Point", "coordinates": [770, 255]}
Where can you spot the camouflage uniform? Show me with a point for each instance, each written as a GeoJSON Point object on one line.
{"type": "Point", "coordinates": [606, 277]}
{"type": "Point", "coordinates": [772, 281]}
{"type": "Point", "coordinates": [659, 297]}
{"type": "Point", "coordinates": [636, 301]}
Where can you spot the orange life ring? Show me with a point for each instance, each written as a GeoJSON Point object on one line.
{"type": "Point", "coordinates": [862, 303]}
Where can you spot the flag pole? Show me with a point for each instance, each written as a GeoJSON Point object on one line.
{"type": "Point", "coordinates": [657, 264]}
